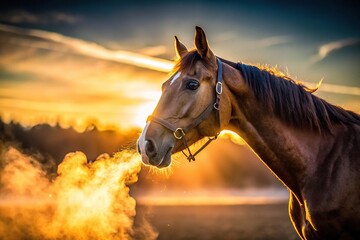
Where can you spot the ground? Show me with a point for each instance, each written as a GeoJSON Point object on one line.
{"type": "Point", "coordinates": [220, 222]}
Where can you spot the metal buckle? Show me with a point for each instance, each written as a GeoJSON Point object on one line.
{"type": "Point", "coordinates": [219, 88]}
{"type": "Point", "coordinates": [181, 132]}
{"type": "Point", "coordinates": [216, 106]}
{"type": "Point", "coordinates": [213, 137]}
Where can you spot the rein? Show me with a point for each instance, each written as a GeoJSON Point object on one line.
{"type": "Point", "coordinates": [180, 133]}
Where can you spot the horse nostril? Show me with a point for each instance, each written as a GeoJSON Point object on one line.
{"type": "Point", "coordinates": [150, 149]}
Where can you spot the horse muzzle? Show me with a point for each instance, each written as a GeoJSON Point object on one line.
{"type": "Point", "coordinates": [151, 156]}
{"type": "Point", "coordinates": [153, 153]}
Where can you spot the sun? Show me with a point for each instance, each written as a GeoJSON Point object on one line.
{"type": "Point", "coordinates": [144, 110]}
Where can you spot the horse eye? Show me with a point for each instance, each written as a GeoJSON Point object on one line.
{"type": "Point", "coordinates": [192, 85]}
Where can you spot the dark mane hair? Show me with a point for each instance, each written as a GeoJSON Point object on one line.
{"type": "Point", "coordinates": [292, 102]}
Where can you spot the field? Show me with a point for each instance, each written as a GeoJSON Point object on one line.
{"type": "Point", "coordinates": [219, 222]}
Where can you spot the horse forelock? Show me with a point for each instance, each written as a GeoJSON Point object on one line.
{"type": "Point", "coordinates": [293, 102]}
{"type": "Point", "coordinates": [187, 62]}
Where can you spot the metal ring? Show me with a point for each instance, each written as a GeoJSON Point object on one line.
{"type": "Point", "coordinates": [181, 132]}
{"type": "Point", "coordinates": [216, 106]}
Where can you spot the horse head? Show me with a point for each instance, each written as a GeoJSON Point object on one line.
{"type": "Point", "coordinates": [189, 107]}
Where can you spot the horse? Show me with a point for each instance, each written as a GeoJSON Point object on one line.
{"type": "Point", "coordinates": [310, 145]}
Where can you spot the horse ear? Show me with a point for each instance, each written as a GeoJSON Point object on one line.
{"type": "Point", "coordinates": [180, 48]}
{"type": "Point", "coordinates": [201, 43]}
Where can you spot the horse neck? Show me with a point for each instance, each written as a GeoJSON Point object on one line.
{"type": "Point", "coordinates": [284, 149]}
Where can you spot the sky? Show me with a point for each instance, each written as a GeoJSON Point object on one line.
{"type": "Point", "coordinates": [102, 63]}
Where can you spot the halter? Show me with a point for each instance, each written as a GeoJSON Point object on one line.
{"type": "Point", "coordinates": [179, 133]}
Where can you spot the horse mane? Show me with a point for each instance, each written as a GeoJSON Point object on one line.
{"type": "Point", "coordinates": [291, 101]}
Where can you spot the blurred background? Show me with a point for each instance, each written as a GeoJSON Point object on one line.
{"type": "Point", "coordinates": [84, 75]}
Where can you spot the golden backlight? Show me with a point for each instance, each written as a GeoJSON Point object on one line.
{"type": "Point", "coordinates": [71, 82]}
{"type": "Point", "coordinates": [146, 109]}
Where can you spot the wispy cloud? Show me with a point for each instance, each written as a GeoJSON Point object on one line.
{"type": "Point", "coordinates": [153, 50]}
{"type": "Point", "coordinates": [273, 41]}
{"type": "Point", "coordinates": [95, 50]}
{"type": "Point", "coordinates": [64, 18]}
{"type": "Point", "coordinates": [22, 16]}
{"type": "Point", "coordinates": [325, 49]}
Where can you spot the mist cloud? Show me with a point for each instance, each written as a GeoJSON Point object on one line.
{"type": "Point", "coordinates": [85, 201]}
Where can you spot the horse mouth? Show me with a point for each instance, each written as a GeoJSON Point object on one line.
{"type": "Point", "coordinates": [166, 160]}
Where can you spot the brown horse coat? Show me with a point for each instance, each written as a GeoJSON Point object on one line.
{"type": "Point", "coordinates": [312, 146]}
